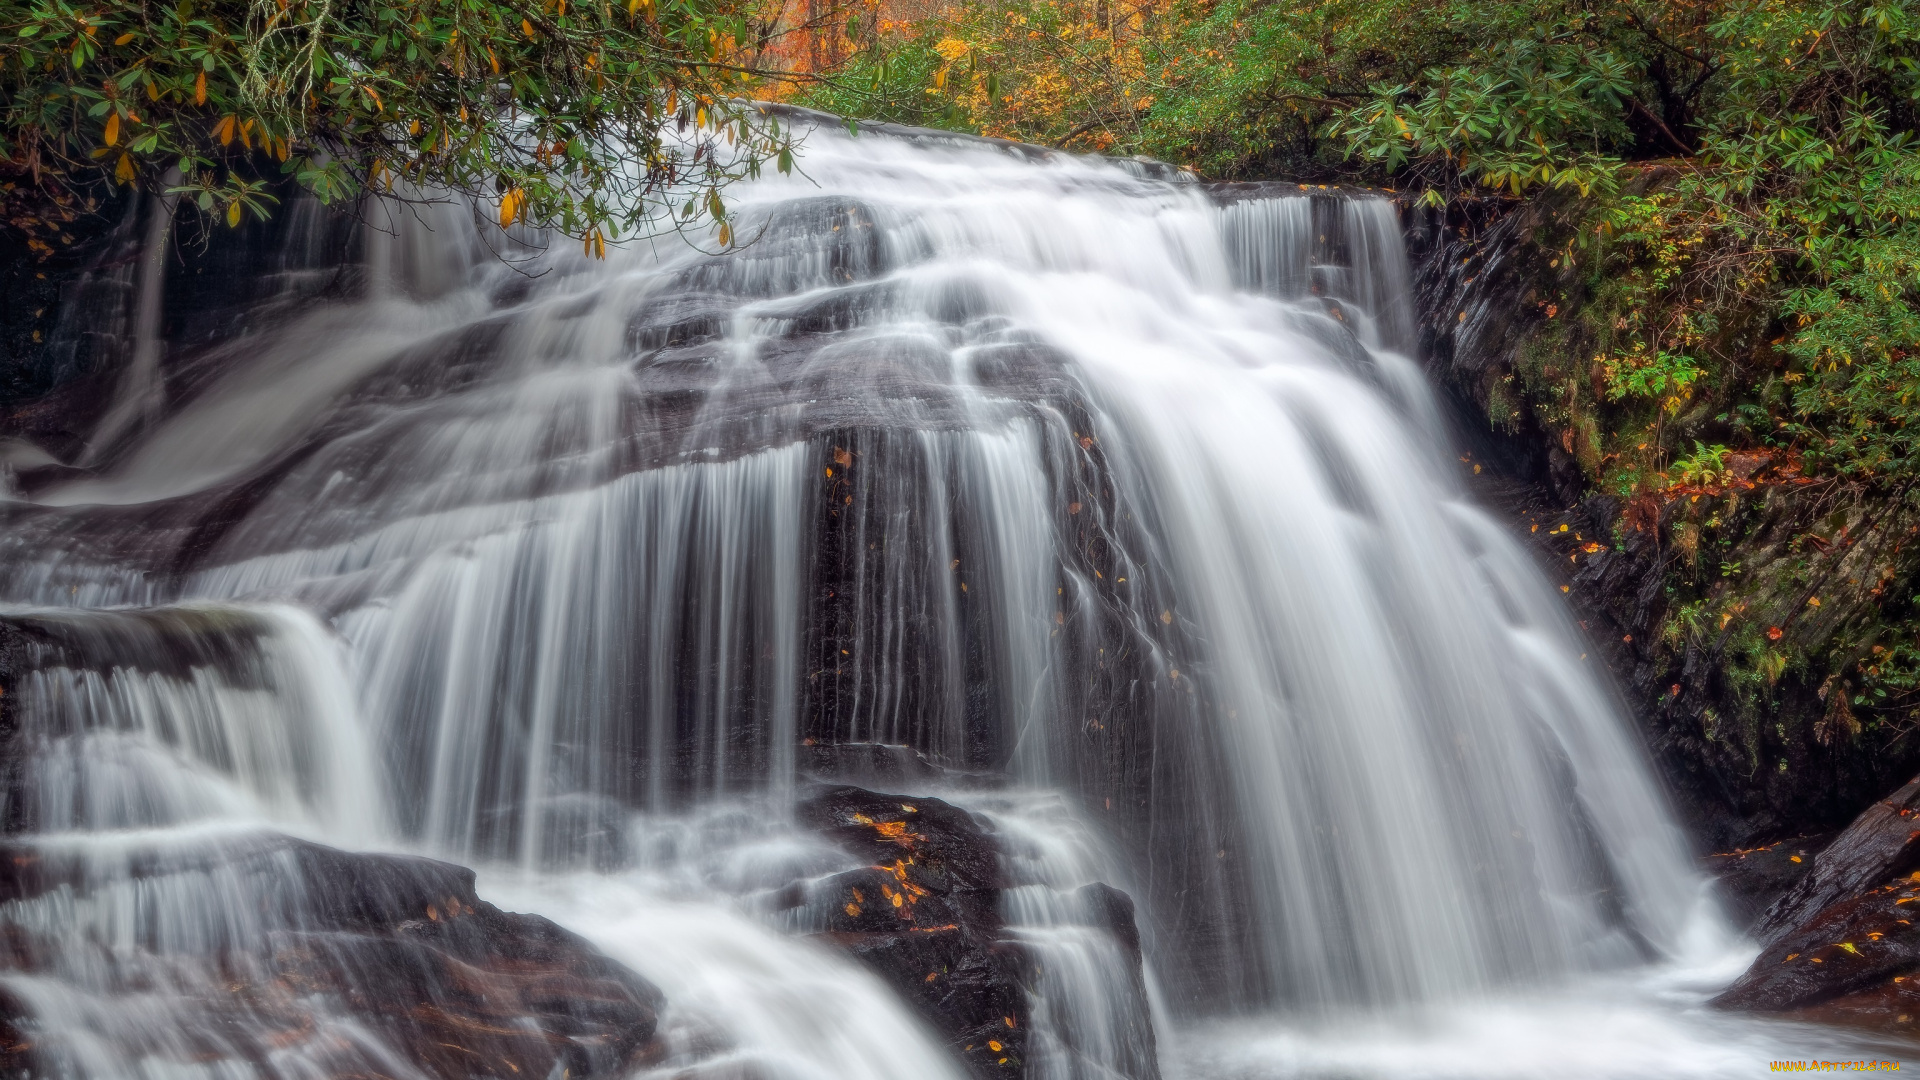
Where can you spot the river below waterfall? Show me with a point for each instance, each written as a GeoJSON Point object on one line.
{"type": "Point", "coordinates": [1118, 500]}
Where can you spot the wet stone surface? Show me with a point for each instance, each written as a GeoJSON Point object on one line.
{"type": "Point", "coordinates": [926, 917]}
{"type": "Point", "coordinates": [358, 964]}
{"type": "Point", "coordinates": [1842, 944]}
{"type": "Point", "coordinates": [1751, 880]}
{"type": "Point", "coordinates": [1884, 841]}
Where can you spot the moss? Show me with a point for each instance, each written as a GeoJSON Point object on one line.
{"type": "Point", "coordinates": [1503, 408]}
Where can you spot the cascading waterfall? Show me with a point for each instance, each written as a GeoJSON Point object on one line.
{"type": "Point", "coordinates": [1062, 472]}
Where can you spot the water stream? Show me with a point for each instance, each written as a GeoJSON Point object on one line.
{"type": "Point", "coordinates": [1057, 470]}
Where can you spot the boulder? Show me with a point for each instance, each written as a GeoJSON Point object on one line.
{"type": "Point", "coordinates": [1856, 944]}
{"type": "Point", "coordinates": [1841, 942]}
{"type": "Point", "coordinates": [925, 917]}
{"type": "Point", "coordinates": [1883, 842]}
{"type": "Point", "coordinates": [319, 941]}
{"type": "Point", "coordinates": [1751, 880]}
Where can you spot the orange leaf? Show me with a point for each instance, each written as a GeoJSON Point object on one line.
{"type": "Point", "coordinates": [113, 128]}
{"type": "Point", "coordinates": [200, 88]}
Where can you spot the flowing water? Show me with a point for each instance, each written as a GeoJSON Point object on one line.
{"type": "Point", "coordinates": [1121, 501]}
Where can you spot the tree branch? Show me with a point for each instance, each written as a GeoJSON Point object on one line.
{"type": "Point", "coordinates": [1685, 150]}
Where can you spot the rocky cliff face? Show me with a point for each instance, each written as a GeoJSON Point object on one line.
{"type": "Point", "coordinates": [1740, 613]}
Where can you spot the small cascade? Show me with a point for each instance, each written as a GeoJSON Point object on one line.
{"type": "Point", "coordinates": [1343, 247]}
{"type": "Point", "coordinates": [1094, 1012]}
{"type": "Point", "coordinates": [1120, 501]}
{"type": "Point", "coordinates": [186, 716]}
{"type": "Point", "coordinates": [157, 752]}
{"type": "Point", "coordinates": [139, 395]}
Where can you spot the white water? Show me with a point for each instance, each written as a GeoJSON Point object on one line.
{"type": "Point", "coordinates": [1048, 469]}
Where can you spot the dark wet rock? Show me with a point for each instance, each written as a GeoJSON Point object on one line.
{"type": "Point", "coordinates": [944, 843]}
{"type": "Point", "coordinates": [1882, 843]}
{"type": "Point", "coordinates": [1750, 880]}
{"type": "Point", "coordinates": [1112, 910]}
{"type": "Point", "coordinates": [1893, 1005]}
{"type": "Point", "coordinates": [1842, 940]}
{"type": "Point", "coordinates": [879, 764]}
{"type": "Point", "coordinates": [399, 947]}
{"type": "Point", "coordinates": [1858, 945]}
{"type": "Point", "coordinates": [926, 917]}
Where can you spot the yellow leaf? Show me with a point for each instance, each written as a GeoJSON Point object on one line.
{"type": "Point", "coordinates": [123, 171]}
{"type": "Point", "coordinates": [1848, 945]}
{"type": "Point", "coordinates": [123, 38]}
{"type": "Point", "coordinates": [200, 88]}
{"type": "Point", "coordinates": [224, 130]}
{"type": "Point", "coordinates": [153, 91]}
{"type": "Point", "coordinates": [510, 206]}
{"type": "Point", "coordinates": [233, 214]}
{"type": "Point", "coordinates": [726, 235]}
{"type": "Point", "coordinates": [113, 128]}
{"type": "Point", "coordinates": [526, 28]}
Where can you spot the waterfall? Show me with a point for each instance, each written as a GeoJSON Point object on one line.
{"type": "Point", "coordinates": [1123, 503]}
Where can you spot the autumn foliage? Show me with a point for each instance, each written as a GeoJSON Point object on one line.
{"type": "Point", "coordinates": [589, 117]}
